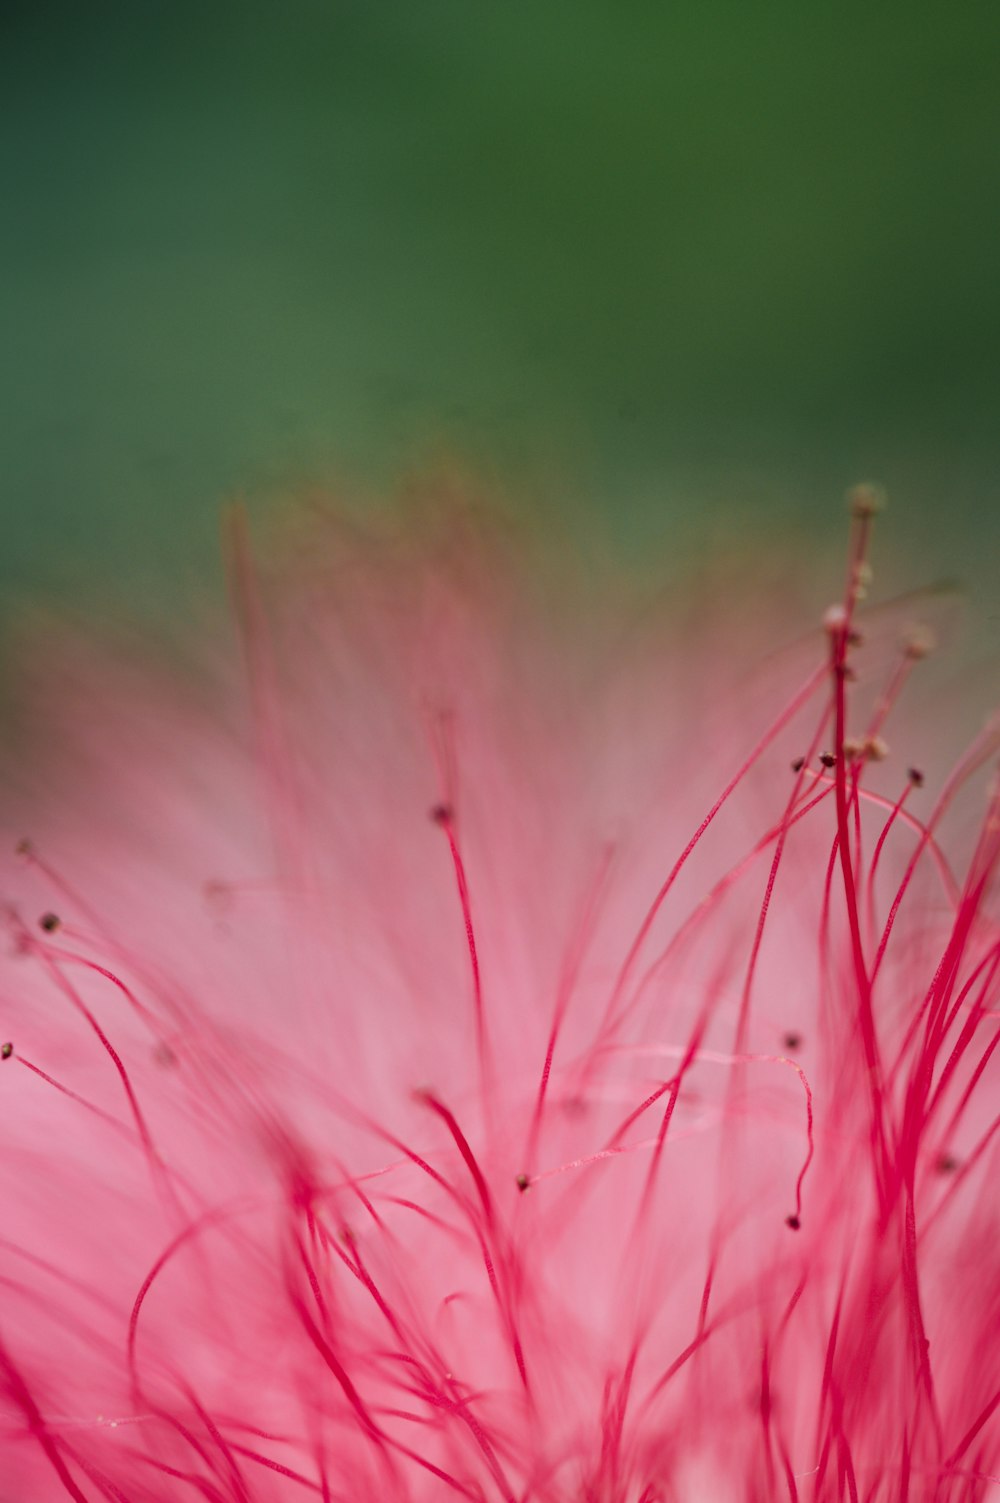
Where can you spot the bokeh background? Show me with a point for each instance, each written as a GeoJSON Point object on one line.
{"type": "Point", "coordinates": [694, 267]}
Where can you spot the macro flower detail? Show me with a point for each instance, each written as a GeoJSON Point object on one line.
{"type": "Point", "coordinates": [485, 1032]}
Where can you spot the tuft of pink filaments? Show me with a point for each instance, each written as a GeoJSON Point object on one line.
{"type": "Point", "coordinates": [490, 1045]}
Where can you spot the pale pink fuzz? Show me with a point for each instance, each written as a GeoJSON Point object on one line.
{"type": "Point", "coordinates": [477, 1037]}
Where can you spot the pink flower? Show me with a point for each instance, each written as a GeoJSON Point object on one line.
{"type": "Point", "coordinates": [501, 1044]}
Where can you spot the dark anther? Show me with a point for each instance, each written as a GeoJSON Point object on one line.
{"type": "Point", "coordinates": [6, 1050]}
{"type": "Point", "coordinates": [522, 1182]}
{"type": "Point", "coordinates": [442, 814]}
{"type": "Point", "coordinates": [946, 1163]}
{"type": "Point", "coordinates": [865, 500]}
{"type": "Point", "coordinates": [792, 1041]}
{"type": "Point", "coordinates": [24, 847]}
{"type": "Point", "coordinates": [793, 1222]}
{"type": "Point", "coordinates": [49, 922]}
{"type": "Point", "coordinates": [828, 759]}
{"type": "Point", "coordinates": [915, 776]}
{"type": "Point", "coordinates": [798, 764]}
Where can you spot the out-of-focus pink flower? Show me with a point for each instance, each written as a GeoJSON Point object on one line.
{"type": "Point", "coordinates": [496, 1045]}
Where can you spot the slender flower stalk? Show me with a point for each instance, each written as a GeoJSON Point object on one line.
{"type": "Point", "coordinates": [484, 1047]}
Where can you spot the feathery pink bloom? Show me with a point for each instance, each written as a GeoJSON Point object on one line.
{"type": "Point", "coordinates": [493, 1048]}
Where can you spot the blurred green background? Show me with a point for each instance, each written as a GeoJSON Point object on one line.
{"type": "Point", "coordinates": [696, 266]}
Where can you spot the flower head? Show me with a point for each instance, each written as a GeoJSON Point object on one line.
{"type": "Point", "coordinates": [495, 1045]}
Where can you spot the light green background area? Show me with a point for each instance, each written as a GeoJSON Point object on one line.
{"type": "Point", "coordinates": [695, 266]}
